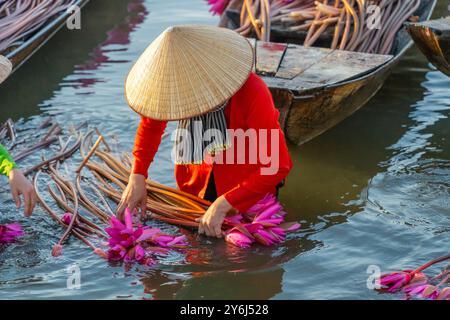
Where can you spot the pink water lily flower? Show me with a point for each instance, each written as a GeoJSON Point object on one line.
{"type": "Point", "coordinates": [267, 201]}
{"type": "Point", "coordinates": [262, 223]}
{"type": "Point", "coordinates": [238, 239]}
{"type": "Point", "coordinates": [129, 243]}
{"type": "Point", "coordinates": [123, 244]}
{"type": "Point", "coordinates": [234, 219]}
{"type": "Point", "coordinates": [444, 295]}
{"type": "Point", "coordinates": [57, 250]}
{"type": "Point", "coordinates": [292, 226]}
{"type": "Point", "coordinates": [266, 238]}
{"type": "Point", "coordinates": [394, 281]}
{"type": "Point", "coordinates": [415, 283]}
{"type": "Point", "coordinates": [156, 237]}
{"type": "Point", "coordinates": [217, 6]}
{"type": "Point", "coordinates": [423, 290]}
{"type": "Point", "coordinates": [10, 232]}
{"type": "Point", "coordinates": [67, 218]}
{"type": "Point", "coordinates": [269, 213]}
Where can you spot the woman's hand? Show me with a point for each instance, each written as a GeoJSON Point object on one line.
{"type": "Point", "coordinates": [21, 186]}
{"type": "Point", "coordinates": [134, 196]}
{"type": "Point", "coordinates": [212, 220]}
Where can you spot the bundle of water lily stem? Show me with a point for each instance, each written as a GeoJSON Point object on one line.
{"type": "Point", "coordinates": [83, 197]}
{"type": "Point", "coordinates": [21, 18]}
{"type": "Point", "coordinates": [355, 25]}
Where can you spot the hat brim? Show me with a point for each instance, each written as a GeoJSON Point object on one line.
{"type": "Point", "coordinates": [193, 97]}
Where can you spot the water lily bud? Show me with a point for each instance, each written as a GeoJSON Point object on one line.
{"type": "Point", "coordinates": [101, 253]}
{"type": "Point", "coordinates": [57, 250]}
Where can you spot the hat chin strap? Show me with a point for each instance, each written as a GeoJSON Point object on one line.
{"type": "Point", "coordinates": [5, 68]}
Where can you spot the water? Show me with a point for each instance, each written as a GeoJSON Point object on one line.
{"type": "Point", "coordinates": [374, 190]}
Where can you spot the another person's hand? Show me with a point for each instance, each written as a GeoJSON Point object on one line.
{"type": "Point", "coordinates": [21, 186]}
{"type": "Point", "coordinates": [212, 220]}
{"type": "Point", "coordinates": [134, 196]}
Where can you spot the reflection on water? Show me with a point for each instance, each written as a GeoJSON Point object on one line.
{"type": "Point", "coordinates": [373, 190]}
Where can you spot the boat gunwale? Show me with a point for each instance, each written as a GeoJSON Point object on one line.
{"type": "Point", "coordinates": [433, 41]}
{"type": "Point", "coordinates": [420, 24]}
{"type": "Point", "coordinates": [47, 32]}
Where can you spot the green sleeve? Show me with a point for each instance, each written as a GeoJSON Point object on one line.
{"type": "Point", "coordinates": [6, 162]}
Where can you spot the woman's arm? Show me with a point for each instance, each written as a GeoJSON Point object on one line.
{"type": "Point", "coordinates": [146, 144]}
{"type": "Point", "coordinates": [148, 139]}
{"type": "Point", "coordinates": [19, 184]}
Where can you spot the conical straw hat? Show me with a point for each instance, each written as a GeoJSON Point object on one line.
{"type": "Point", "coordinates": [188, 71]}
{"type": "Point", "coordinates": [5, 68]}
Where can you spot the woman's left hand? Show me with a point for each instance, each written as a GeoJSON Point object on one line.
{"type": "Point", "coordinates": [21, 186]}
{"type": "Point", "coordinates": [212, 220]}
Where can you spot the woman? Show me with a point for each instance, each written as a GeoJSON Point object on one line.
{"type": "Point", "coordinates": [202, 77]}
{"type": "Point", "coordinates": [18, 183]}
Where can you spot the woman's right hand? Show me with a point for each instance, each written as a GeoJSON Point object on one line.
{"type": "Point", "coordinates": [134, 196]}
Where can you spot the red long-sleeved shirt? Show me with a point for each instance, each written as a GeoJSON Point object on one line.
{"type": "Point", "coordinates": [242, 184]}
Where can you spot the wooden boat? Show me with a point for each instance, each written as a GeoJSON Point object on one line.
{"type": "Point", "coordinates": [14, 57]}
{"type": "Point", "coordinates": [314, 92]}
{"type": "Point", "coordinates": [433, 39]}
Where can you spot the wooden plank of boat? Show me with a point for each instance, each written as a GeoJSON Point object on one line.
{"type": "Point", "coordinates": [22, 53]}
{"type": "Point", "coordinates": [268, 57]}
{"type": "Point", "coordinates": [297, 59]}
{"type": "Point", "coordinates": [340, 65]}
{"type": "Point", "coordinates": [433, 39]}
{"type": "Point", "coordinates": [307, 109]}
{"type": "Point", "coordinates": [304, 68]}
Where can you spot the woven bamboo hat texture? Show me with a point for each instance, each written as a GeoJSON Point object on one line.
{"type": "Point", "coordinates": [5, 68]}
{"type": "Point", "coordinates": [187, 71]}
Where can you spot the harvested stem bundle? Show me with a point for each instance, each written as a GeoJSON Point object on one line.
{"type": "Point", "coordinates": [42, 144]}
{"type": "Point", "coordinates": [57, 249]}
{"type": "Point", "coordinates": [111, 176]}
{"type": "Point", "coordinates": [350, 23]}
{"type": "Point", "coordinates": [77, 233]}
{"type": "Point", "coordinates": [20, 18]}
{"type": "Point", "coordinates": [59, 157]}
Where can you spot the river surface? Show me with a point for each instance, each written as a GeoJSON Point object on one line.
{"type": "Point", "coordinates": [373, 191]}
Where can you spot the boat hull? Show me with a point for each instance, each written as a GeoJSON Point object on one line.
{"type": "Point", "coordinates": [21, 54]}
{"type": "Point", "coordinates": [306, 114]}
{"type": "Point", "coordinates": [309, 114]}
{"type": "Point", "coordinates": [434, 41]}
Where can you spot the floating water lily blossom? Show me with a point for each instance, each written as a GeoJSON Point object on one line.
{"type": "Point", "coordinates": [426, 291]}
{"type": "Point", "coordinates": [67, 218]}
{"type": "Point", "coordinates": [414, 283]}
{"type": "Point", "coordinates": [58, 247]}
{"type": "Point", "coordinates": [133, 243]}
{"type": "Point", "coordinates": [263, 223]}
{"type": "Point", "coordinates": [238, 239]}
{"type": "Point", "coordinates": [10, 232]}
{"type": "Point", "coordinates": [395, 280]}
